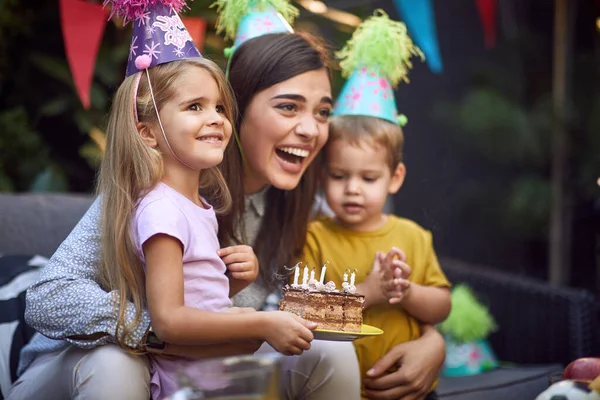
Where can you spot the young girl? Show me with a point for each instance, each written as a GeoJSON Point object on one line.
{"type": "Point", "coordinates": [167, 132]}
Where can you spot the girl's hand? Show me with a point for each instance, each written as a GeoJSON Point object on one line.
{"type": "Point", "coordinates": [242, 266]}
{"type": "Point", "coordinates": [287, 333]}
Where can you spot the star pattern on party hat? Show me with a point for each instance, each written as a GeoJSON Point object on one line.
{"type": "Point", "coordinates": [375, 60]}
{"type": "Point", "coordinates": [242, 20]}
{"type": "Point", "coordinates": [159, 35]}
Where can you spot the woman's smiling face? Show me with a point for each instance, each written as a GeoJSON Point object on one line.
{"type": "Point", "coordinates": [283, 129]}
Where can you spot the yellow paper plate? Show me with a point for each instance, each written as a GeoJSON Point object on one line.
{"type": "Point", "coordinates": [339, 336]}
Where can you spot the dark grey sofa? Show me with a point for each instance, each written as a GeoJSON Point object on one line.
{"type": "Point", "coordinates": [541, 328]}
{"type": "Point", "coordinates": [38, 223]}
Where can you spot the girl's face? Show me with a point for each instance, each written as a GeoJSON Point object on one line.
{"type": "Point", "coordinates": [194, 122]}
{"type": "Point", "coordinates": [283, 129]}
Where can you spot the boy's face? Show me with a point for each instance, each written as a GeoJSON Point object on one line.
{"type": "Point", "coordinates": [357, 182]}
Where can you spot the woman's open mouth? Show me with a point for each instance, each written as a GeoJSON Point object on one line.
{"type": "Point", "coordinates": [292, 155]}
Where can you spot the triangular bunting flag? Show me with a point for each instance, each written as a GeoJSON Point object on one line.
{"type": "Point", "coordinates": [487, 13]}
{"type": "Point", "coordinates": [419, 17]}
{"type": "Point", "coordinates": [196, 26]}
{"type": "Point", "coordinates": [82, 26]}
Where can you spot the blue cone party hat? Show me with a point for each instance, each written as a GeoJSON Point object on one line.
{"type": "Point", "coordinates": [242, 20]}
{"type": "Point", "coordinates": [375, 60]}
{"type": "Point", "coordinates": [158, 36]}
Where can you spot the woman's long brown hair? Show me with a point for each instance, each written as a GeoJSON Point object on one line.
{"type": "Point", "coordinates": [257, 65]}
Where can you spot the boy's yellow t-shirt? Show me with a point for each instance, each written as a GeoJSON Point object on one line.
{"type": "Point", "coordinates": [327, 241]}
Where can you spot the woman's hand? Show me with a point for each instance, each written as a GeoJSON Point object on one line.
{"type": "Point", "coordinates": [418, 363]}
{"type": "Point", "coordinates": [242, 266]}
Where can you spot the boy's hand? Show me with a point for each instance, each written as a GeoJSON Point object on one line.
{"type": "Point", "coordinates": [394, 274]}
{"type": "Point", "coordinates": [377, 284]}
{"type": "Point", "coordinates": [241, 262]}
{"type": "Point", "coordinates": [387, 281]}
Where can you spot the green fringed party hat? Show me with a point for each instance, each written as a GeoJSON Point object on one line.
{"type": "Point", "coordinates": [469, 320]}
{"type": "Point", "coordinates": [242, 20]}
{"type": "Point", "coordinates": [468, 352]}
{"type": "Point", "coordinates": [375, 59]}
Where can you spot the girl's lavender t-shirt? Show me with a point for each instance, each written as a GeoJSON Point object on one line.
{"type": "Point", "coordinates": [165, 211]}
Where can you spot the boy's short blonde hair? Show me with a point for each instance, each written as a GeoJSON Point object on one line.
{"type": "Point", "coordinates": [370, 130]}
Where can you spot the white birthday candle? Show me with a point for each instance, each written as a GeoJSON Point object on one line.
{"type": "Point", "coordinates": [296, 274]}
{"type": "Point", "coordinates": [312, 274]}
{"type": "Point", "coordinates": [323, 274]}
{"type": "Point", "coordinates": [352, 278]}
{"type": "Point", "coordinates": [305, 275]}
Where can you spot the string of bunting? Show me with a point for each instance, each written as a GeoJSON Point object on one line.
{"type": "Point", "coordinates": [83, 24]}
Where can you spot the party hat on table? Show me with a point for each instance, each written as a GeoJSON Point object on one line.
{"type": "Point", "coordinates": [468, 352]}
{"type": "Point", "coordinates": [242, 20]}
{"type": "Point", "coordinates": [158, 36]}
{"type": "Point", "coordinates": [375, 60]}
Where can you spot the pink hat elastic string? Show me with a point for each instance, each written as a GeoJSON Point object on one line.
{"type": "Point", "coordinates": [143, 62]}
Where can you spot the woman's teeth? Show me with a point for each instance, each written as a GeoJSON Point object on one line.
{"type": "Point", "coordinates": [295, 152]}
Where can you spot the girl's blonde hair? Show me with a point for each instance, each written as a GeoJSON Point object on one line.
{"type": "Point", "coordinates": [130, 168]}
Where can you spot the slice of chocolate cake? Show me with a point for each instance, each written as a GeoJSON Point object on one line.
{"type": "Point", "coordinates": [329, 308]}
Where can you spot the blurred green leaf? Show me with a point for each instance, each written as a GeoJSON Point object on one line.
{"type": "Point", "coordinates": [107, 73]}
{"type": "Point", "coordinates": [51, 179]}
{"type": "Point", "coordinates": [5, 183]}
{"type": "Point", "coordinates": [54, 67]}
{"type": "Point", "coordinates": [22, 153]}
{"type": "Point", "coordinates": [83, 121]}
{"type": "Point", "coordinates": [497, 127]}
{"type": "Point", "coordinates": [108, 63]}
{"type": "Point", "coordinates": [98, 97]}
{"type": "Point", "coordinates": [56, 106]}
{"type": "Point", "coordinates": [528, 203]}
{"type": "Point", "coordinates": [91, 153]}
{"type": "Point", "coordinates": [588, 172]}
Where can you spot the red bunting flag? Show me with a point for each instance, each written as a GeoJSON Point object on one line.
{"type": "Point", "coordinates": [487, 13]}
{"type": "Point", "coordinates": [196, 26]}
{"type": "Point", "coordinates": [82, 27]}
